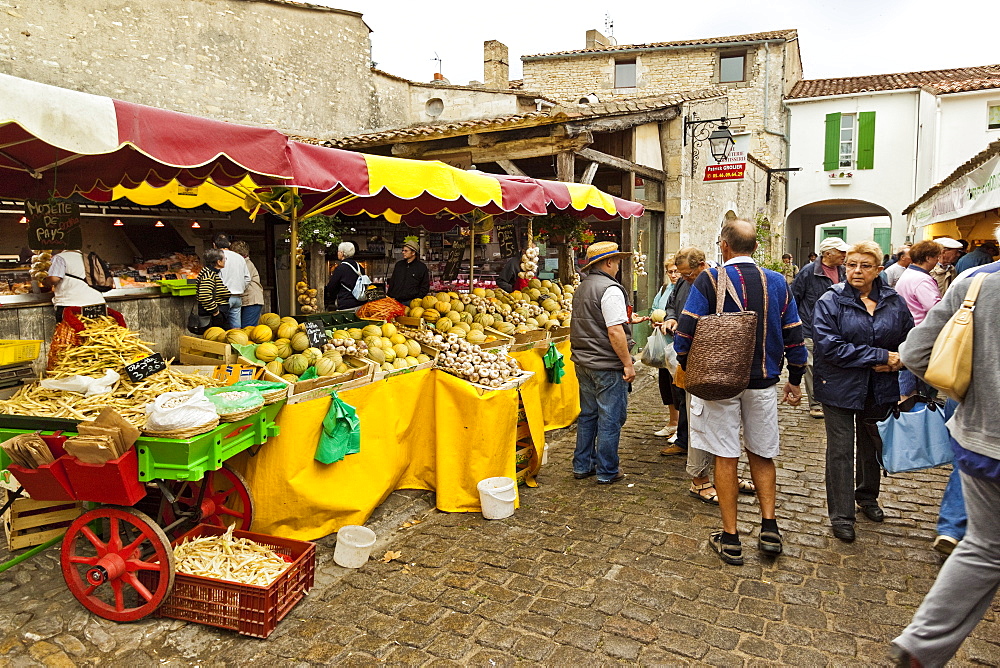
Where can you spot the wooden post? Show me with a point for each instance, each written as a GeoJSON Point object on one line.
{"type": "Point", "coordinates": [293, 255]}
{"type": "Point", "coordinates": [317, 273]}
{"type": "Point", "coordinates": [565, 171]}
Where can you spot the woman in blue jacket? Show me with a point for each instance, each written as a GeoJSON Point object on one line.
{"type": "Point", "coordinates": [857, 328]}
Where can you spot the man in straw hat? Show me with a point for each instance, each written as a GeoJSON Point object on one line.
{"type": "Point", "coordinates": [410, 278]}
{"type": "Point", "coordinates": [601, 338]}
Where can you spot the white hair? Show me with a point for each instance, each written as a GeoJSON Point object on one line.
{"type": "Point", "coordinates": [347, 248]}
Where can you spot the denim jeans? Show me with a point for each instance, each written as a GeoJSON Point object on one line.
{"type": "Point", "coordinates": [852, 471]}
{"type": "Point", "coordinates": [603, 408]}
{"type": "Point", "coordinates": [250, 315]}
{"type": "Point", "coordinates": [952, 518]}
{"type": "Point", "coordinates": [235, 307]}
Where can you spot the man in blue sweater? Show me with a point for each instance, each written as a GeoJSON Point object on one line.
{"type": "Point", "coordinates": [714, 426]}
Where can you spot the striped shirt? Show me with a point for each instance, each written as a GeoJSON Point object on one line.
{"type": "Point", "coordinates": [212, 292]}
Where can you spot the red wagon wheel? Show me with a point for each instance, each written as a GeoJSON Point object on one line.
{"type": "Point", "coordinates": [118, 563]}
{"type": "Point", "coordinates": [227, 501]}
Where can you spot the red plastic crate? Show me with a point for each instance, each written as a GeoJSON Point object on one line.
{"type": "Point", "coordinates": [249, 609]}
{"type": "Point", "coordinates": [46, 483]}
{"type": "Point", "coordinates": [116, 481]}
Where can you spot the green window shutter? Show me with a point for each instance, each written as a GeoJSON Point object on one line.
{"type": "Point", "coordinates": [866, 140]}
{"type": "Point", "coordinates": [831, 156]}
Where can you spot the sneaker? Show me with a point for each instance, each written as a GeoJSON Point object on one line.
{"type": "Point", "coordinates": [816, 412]}
{"type": "Point", "coordinates": [945, 544]}
{"type": "Point", "coordinates": [669, 430]}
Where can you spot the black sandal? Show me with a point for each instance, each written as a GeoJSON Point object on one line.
{"type": "Point", "coordinates": [731, 554]}
{"type": "Point", "coordinates": [769, 542]}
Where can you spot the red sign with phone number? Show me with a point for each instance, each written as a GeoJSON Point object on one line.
{"type": "Point", "coordinates": [729, 172]}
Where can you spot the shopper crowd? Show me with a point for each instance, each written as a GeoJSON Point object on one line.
{"type": "Point", "coordinates": [860, 329]}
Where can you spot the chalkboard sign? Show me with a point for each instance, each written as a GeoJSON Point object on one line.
{"type": "Point", "coordinates": [153, 278]}
{"type": "Point", "coordinates": [316, 334]}
{"type": "Point", "coordinates": [507, 238]}
{"type": "Point", "coordinates": [94, 310]}
{"type": "Point", "coordinates": [436, 240]}
{"type": "Point", "coordinates": [454, 260]}
{"type": "Point", "coordinates": [145, 367]}
{"type": "Point", "coordinates": [170, 277]}
{"type": "Point", "coordinates": [156, 269]}
{"type": "Point", "coordinates": [53, 225]}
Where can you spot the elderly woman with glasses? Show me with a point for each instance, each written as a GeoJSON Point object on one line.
{"type": "Point", "coordinates": [858, 326]}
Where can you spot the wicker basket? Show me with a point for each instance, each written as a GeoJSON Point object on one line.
{"type": "Point", "coordinates": [190, 432]}
{"type": "Point", "coordinates": [239, 415]}
{"type": "Point", "coordinates": [274, 396]}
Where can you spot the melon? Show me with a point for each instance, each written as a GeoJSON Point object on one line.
{"type": "Point", "coordinates": [476, 337]}
{"type": "Point", "coordinates": [299, 342]}
{"type": "Point", "coordinates": [342, 368]}
{"type": "Point", "coordinates": [421, 358]}
{"type": "Point", "coordinates": [428, 302]}
{"type": "Point", "coordinates": [399, 363]}
{"type": "Point", "coordinates": [397, 338]}
{"type": "Point", "coordinates": [290, 320]}
{"type": "Point", "coordinates": [464, 325]}
{"type": "Point", "coordinates": [340, 335]}
{"type": "Point", "coordinates": [215, 334]}
{"type": "Point", "coordinates": [388, 329]}
{"type": "Point", "coordinates": [417, 312]}
{"type": "Point", "coordinates": [237, 336]}
{"type": "Point", "coordinates": [275, 367]}
{"type": "Point", "coordinates": [457, 305]}
{"type": "Point", "coordinates": [355, 333]}
{"type": "Point", "coordinates": [413, 347]}
{"type": "Point", "coordinates": [337, 358]}
{"type": "Point", "coordinates": [415, 303]}
{"type": "Point", "coordinates": [296, 364]}
{"type": "Point", "coordinates": [459, 332]}
{"type": "Point", "coordinates": [442, 297]}
{"type": "Point", "coordinates": [312, 354]}
{"type": "Point", "coordinates": [444, 324]}
{"type": "Point", "coordinates": [284, 348]}
{"type": "Point", "coordinates": [431, 315]}
{"type": "Point", "coordinates": [248, 330]}
{"type": "Point", "coordinates": [287, 330]}
{"type": "Point", "coordinates": [479, 292]}
{"type": "Point", "coordinates": [289, 378]}
{"type": "Point", "coordinates": [270, 320]}
{"type": "Point", "coordinates": [325, 367]}
{"type": "Point", "coordinates": [443, 307]}
{"type": "Point", "coordinates": [261, 334]}
{"type": "Point", "coordinates": [477, 326]}
{"type": "Point", "coordinates": [386, 366]}
{"type": "Point", "coordinates": [401, 350]}
{"type": "Point", "coordinates": [372, 330]}
{"type": "Point", "coordinates": [389, 354]}
{"type": "Point", "coordinates": [376, 355]}
{"type": "Point", "coordinates": [385, 342]}
{"type": "Point", "coordinates": [266, 352]}
{"type": "Point", "coordinates": [411, 361]}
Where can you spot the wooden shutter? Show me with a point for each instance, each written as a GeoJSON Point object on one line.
{"type": "Point", "coordinates": [866, 140]}
{"type": "Point", "coordinates": [831, 156]}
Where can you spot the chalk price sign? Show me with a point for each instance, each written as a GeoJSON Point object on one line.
{"type": "Point", "coordinates": [94, 310]}
{"type": "Point", "coordinates": [316, 333]}
{"type": "Point", "coordinates": [53, 225]}
{"type": "Point", "coordinates": [145, 367]}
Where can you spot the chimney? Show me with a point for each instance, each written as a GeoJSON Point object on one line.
{"type": "Point", "coordinates": [496, 70]}
{"type": "Point", "coordinates": [595, 40]}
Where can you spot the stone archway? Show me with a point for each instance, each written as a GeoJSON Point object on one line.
{"type": "Point", "coordinates": [800, 224]}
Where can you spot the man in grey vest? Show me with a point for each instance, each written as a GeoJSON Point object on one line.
{"type": "Point", "coordinates": [601, 338]}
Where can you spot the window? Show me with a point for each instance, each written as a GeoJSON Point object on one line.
{"type": "Point", "coordinates": [732, 67]}
{"type": "Point", "coordinates": [846, 151]}
{"type": "Point", "coordinates": [624, 74]}
{"type": "Point", "coordinates": [993, 122]}
{"type": "Point", "coordinates": [850, 141]}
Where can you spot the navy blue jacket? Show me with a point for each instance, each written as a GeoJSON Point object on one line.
{"type": "Point", "coordinates": [848, 342]}
{"type": "Point", "coordinates": [808, 286]}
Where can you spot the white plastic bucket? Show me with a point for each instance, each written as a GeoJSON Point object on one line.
{"type": "Point", "coordinates": [354, 546]}
{"type": "Point", "coordinates": [496, 495]}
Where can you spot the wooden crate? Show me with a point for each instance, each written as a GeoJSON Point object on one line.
{"type": "Point", "coordinates": [196, 351]}
{"type": "Point", "coordinates": [29, 522]}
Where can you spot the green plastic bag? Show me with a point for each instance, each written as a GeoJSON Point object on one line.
{"type": "Point", "coordinates": [261, 386]}
{"type": "Point", "coordinates": [341, 433]}
{"type": "Point", "coordinates": [554, 363]}
{"type": "Point", "coordinates": [227, 400]}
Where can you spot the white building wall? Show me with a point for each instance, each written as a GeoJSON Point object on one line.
{"type": "Point", "coordinates": [962, 131]}
{"type": "Point", "coordinates": [889, 185]}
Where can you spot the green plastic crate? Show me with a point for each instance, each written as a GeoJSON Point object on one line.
{"type": "Point", "coordinates": [190, 459]}
{"type": "Point", "coordinates": [179, 287]}
{"type": "Point", "coordinates": [4, 459]}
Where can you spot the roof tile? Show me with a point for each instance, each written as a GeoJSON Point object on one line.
{"type": "Point", "coordinates": [957, 80]}
{"type": "Point", "coordinates": [707, 41]}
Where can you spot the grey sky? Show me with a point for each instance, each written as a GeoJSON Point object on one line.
{"type": "Point", "coordinates": [843, 38]}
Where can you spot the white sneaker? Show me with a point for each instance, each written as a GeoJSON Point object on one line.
{"type": "Point", "coordinates": [669, 430]}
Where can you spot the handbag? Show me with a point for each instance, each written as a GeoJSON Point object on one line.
{"type": "Point", "coordinates": [197, 323]}
{"type": "Point", "coordinates": [914, 436]}
{"type": "Point", "coordinates": [360, 292]}
{"type": "Point", "coordinates": [950, 366]}
{"type": "Point", "coordinates": [718, 364]}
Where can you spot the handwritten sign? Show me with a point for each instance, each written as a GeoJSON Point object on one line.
{"type": "Point", "coordinates": [454, 260]}
{"type": "Point", "coordinates": [170, 277]}
{"type": "Point", "coordinates": [53, 225]}
{"type": "Point", "coordinates": [94, 310]}
{"type": "Point", "coordinates": [436, 240]}
{"type": "Point", "coordinates": [507, 238]}
{"type": "Point", "coordinates": [145, 367]}
{"type": "Point", "coordinates": [316, 333]}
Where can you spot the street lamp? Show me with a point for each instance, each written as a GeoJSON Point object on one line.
{"type": "Point", "coordinates": [721, 142]}
{"type": "Point", "coordinates": [720, 139]}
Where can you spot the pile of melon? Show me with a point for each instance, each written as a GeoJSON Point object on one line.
{"type": "Point", "coordinates": [389, 348]}
{"type": "Point", "coordinates": [283, 347]}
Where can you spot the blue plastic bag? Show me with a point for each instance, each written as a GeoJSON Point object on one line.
{"type": "Point", "coordinates": [915, 439]}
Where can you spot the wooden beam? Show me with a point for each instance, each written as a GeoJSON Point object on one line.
{"type": "Point", "coordinates": [589, 172]}
{"type": "Point", "coordinates": [622, 164]}
{"type": "Point", "coordinates": [566, 166]}
{"type": "Point", "coordinates": [623, 122]}
{"type": "Point", "coordinates": [520, 149]}
{"type": "Point", "coordinates": [509, 167]}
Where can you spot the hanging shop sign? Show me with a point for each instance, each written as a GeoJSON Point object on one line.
{"type": "Point", "coordinates": [454, 260]}
{"type": "Point", "coordinates": [53, 225]}
{"type": "Point", "coordinates": [734, 166]}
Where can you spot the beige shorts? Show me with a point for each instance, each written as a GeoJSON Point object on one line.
{"type": "Point", "coordinates": [714, 426]}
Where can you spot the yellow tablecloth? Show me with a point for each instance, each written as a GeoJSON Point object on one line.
{"type": "Point", "coordinates": [559, 404]}
{"type": "Point", "coordinates": [422, 430]}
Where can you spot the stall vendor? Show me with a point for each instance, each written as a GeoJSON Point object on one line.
{"type": "Point", "coordinates": [410, 277]}
{"type": "Point", "coordinates": [508, 280]}
{"type": "Point", "coordinates": [67, 277]}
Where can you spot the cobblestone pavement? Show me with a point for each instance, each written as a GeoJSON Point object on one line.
{"type": "Point", "coordinates": [581, 574]}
